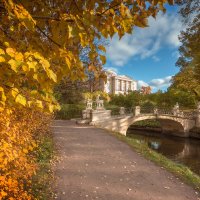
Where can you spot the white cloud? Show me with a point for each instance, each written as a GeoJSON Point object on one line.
{"type": "Point", "coordinates": [156, 84]}
{"type": "Point", "coordinates": [141, 83]}
{"type": "Point", "coordinates": [161, 82]}
{"type": "Point", "coordinates": [144, 43]}
{"type": "Point", "coordinates": [155, 58]}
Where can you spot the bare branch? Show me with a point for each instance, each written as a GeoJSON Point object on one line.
{"type": "Point", "coordinates": [49, 38]}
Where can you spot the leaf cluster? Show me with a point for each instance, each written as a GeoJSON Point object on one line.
{"type": "Point", "coordinates": [42, 41]}
{"type": "Point", "coordinates": [19, 134]}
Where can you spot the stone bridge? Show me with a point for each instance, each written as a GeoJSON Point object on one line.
{"type": "Point", "coordinates": [173, 122]}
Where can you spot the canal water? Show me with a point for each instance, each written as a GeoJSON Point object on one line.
{"type": "Point", "coordinates": [185, 151]}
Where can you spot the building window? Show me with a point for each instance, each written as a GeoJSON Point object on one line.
{"type": "Point", "coordinates": [124, 85]}
{"type": "Point", "coordinates": [120, 85]}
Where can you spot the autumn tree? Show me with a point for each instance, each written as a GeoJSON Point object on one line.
{"type": "Point", "coordinates": [145, 90]}
{"type": "Point", "coordinates": [189, 61]}
{"type": "Point", "coordinates": [40, 43]}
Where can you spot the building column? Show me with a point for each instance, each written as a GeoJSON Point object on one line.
{"type": "Point", "coordinates": [132, 86]}
{"type": "Point", "coordinates": [116, 85]}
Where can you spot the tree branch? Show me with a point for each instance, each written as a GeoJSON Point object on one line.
{"type": "Point", "coordinates": [49, 38]}
{"type": "Point", "coordinates": [51, 18]}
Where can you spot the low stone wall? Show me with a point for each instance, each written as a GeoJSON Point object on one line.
{"type": "Point", "coordinates": [99, 115]}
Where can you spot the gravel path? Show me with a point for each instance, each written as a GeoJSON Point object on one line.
{"type": "Point", "coordinates": [96, 165]}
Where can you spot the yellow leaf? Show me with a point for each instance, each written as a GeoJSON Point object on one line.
{"type": "Point", "coordinates": [51, 75]}
{"type": "Point", "coordinates": [2, 94]}
{"type": "Point", "coordinates": [70, 29]}
{"type": "Point", "coordinates": [20, 99]}
{"type": "Point", "coordinates": [3, 194]}
{"type": "Point", "coordinates": [19, 56]}
{"type": "Point", "coordinates": [25, 150]}
{"type": "Point", "coordinates": [11, 52]}
{"type": "Point", "coordinates": [2, 52]}
{"type": "Point", "coordinates": [14, 65]}
{"type": "Point", "coordinates": [2, 59]}
{"type": "Point", "coordinates": [45, 64]}
{"type": "Point", "coordinates": [102, 48]}
{"type": "Point", "coordinates": [39, 104]}
{"type": "Point", "coordinates": [14, 92]}
{"type": "Point", "coordinates": [32, 65]}
{"type": "Point", "coordinates": [103, 59]}
{"type": "Point", "coordinates": [35, 76]}
{"type": "Point", "coordinates": [25, 68]}
{"type": "Point", "coordinates": [51, 108]}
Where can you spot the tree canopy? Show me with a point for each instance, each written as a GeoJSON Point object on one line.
{"type": "Point", "coordinates": [189, 61]}
{"type": "Point", "coordinates": [42, 41]}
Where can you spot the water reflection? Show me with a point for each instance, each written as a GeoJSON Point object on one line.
{"type": "Point", "coordinates": [181, 150]}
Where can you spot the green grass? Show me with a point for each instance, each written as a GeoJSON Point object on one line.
{"type": "Point", "coordinates": [181, 171]}
{"type": "Point", "coordinates": [41, 182]}
{"type": "Point", "coordinates": [69, 111]}
{"type": "Point", "coordinates": [148, 123]}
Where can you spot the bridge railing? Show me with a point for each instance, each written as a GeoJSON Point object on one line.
{"type": "Point", "coordinates": [121, 111]}
{"type": "Point", "coordinates": [165, 111]}
{"type": "Point", "coordinates": [189, 114]}
{"type": "Point", "coordinates": [168, 111]}
{"type": "Point", "coordinates": [155, 110]}
{"type": "Point", "coordinates": [146, 109]}
{"type": "Point", "coordinates": [129, 111]}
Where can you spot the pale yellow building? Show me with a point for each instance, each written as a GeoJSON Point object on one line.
{"type": "Point", "coordinates": [118, 84]}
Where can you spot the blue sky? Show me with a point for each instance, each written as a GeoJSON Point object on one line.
{"type": "Point", "coordinates": [148, 55]}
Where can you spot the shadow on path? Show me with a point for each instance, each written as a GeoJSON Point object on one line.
{"type": "Point", "coordinates": [96, 165]}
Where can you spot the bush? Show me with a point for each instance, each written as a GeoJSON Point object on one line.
{"type": "Point", "coordinates": [20, 131]}
{"type": "Point", "coordinates": [148, 123]}
{"type": "Point", "coordinates": [114, 109]}
{"type": "Point", "coordinates": [69, 111]}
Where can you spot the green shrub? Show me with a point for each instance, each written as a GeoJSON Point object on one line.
{"type": "Point", "coordinates": [148, 123]}
{"type": "Point", "coordinates": [69, 111]}
{"type": "Point", "coordinates": [114, 109]}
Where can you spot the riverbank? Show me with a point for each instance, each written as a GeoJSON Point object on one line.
{"type": "Point", "coordinates": [96, 165]}
{"type": "Point", "coordinates": [155, 126]}
{"type": "Point", "coordinates": [181, 171]}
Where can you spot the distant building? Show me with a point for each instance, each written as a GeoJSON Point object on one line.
{"type": "Point", "coordinates": [146, 90]}
{"type": "Point", "coordinates": [117, 84]}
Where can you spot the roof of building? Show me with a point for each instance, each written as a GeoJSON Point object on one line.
{"type": "Point", "coordinates": [112, 73]}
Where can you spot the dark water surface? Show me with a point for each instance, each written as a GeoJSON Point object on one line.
{"type": "Point", "coordinates": [185, 151]}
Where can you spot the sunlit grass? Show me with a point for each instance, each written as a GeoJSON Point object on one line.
{"type": "Point", "coordinates": [179, 170]}
{"type": "Point", "coordinates": [41, 187]}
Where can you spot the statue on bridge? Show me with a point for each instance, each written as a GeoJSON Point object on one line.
{"type": "Point", "coordinates": [176, 110]}
{"type": "Point", "coordinates": [99, 103]}
{"type": "Point", "coordinates": [89, 104]}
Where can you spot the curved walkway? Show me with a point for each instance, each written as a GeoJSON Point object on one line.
{"type": "Point", "coordinates": [96, 165]}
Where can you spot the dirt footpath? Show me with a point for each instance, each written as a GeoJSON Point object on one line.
{"type": "Point", "coordinates": [96, 165]}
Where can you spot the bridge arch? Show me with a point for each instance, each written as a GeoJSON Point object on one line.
{"type": "Point", "coordinates": [169, 124]}
{"type": "Point", "coordinates": [174, 125]}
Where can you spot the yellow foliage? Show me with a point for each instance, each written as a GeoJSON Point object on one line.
{"type": "Point", "coordinates": [19, 131]}
{"type": "Point", "coordinates": [39, 44]}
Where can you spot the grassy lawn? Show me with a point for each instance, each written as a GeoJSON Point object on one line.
{"type": "Point", "coordinates": [180, 171]}
{"type": "Point", "coordinates": [41, 186]}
